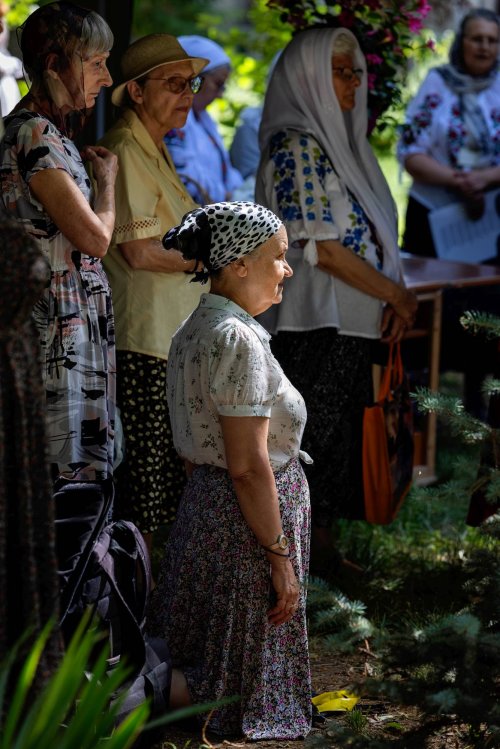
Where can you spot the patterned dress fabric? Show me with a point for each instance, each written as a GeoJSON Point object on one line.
{"type": "Point", "coordinates": [28, 581]}
{"type": "Point", "coordinates": [142, 384]}
{"type": "Point", "coordinates": [214, 588]}
{"type": "Point", "coordinates": [74, 316]}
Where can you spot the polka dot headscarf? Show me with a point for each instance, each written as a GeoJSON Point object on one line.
{"type": "Point", "coordinates": [219, 233]}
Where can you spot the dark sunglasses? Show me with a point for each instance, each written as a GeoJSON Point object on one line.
{"type": "Point", "coordinates": [177, 84]}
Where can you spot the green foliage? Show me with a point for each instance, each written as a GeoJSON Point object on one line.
{"type": "Point", "coordinates": [451, 411]}
{"type": "Point", "coordinates": [73, 711]}
{"type": "Point", "coordinates": [19, 11]}
{"type": "Point", "coordinates": [77, 709]}
{"type": "Point", "coordinates": [481, 323]}
{"type": "Point", "coordinates": [435, 597]}
{"type": "Point", "coordinates": [356, 721]}
{"type": "Point", "coordinates": [338, 621]}
{"type": "Point", "coordinates": [251, 41]}
{"type": "Point", "coordinates": [167, 16]}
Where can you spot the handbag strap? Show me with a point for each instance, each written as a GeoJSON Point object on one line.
{"type": "Point", "coordinates": [393, 373]}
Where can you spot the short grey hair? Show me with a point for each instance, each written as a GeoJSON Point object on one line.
{"type": "Point", "coordinates": [96, 37]}
{"type": "Point", "coordinates": [344, 44]}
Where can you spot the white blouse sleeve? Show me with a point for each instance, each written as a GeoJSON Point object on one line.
{"type": "Point", "coordinates": [417, 133]}
{"type": "Point", "coordinates": [244, 378]}
{"type": "Point", "coordinates": [304, 184]}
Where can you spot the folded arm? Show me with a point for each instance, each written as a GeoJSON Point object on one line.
{"type": "Point", "coordinates": [89, 230]}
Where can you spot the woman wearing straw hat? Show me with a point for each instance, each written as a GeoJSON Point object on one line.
{"type": "Point", "coordinates": [151, 291]}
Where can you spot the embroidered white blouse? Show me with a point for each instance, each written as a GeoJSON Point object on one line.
{"type": "Point", "coordinates": [221, 364]}
{"type": "Point", "coordinates": [435, 126]}
{"type": "Point", "coordinates": [314, 203]}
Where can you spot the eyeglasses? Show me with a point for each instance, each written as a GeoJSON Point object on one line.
{"type": "Point", "coordinates": [348, 74]}
{"type": "Point", "coordinates": [489, 41]}
{"type": "Point", "coordinates": [177, 84]}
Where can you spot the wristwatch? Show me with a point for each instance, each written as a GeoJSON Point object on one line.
{"type": "Point", "coordinates": [281, 543]}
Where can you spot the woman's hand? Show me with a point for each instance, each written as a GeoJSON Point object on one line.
{"type": "Point", "coordinates": [149, 254]}
{"type": "Point", "coordinates": [341, 262]}
{"type": "Point", "coordinates": [286, 587]}
{"type": "Point", "coordinates": [393, 326]}
{"type": "Point", "coordinates": [104, 165]}
{"type": "Point", "coordinates": [404, 304]}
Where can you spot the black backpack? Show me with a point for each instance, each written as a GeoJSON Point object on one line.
{"type": "Point", "coordinates": [105, 565]}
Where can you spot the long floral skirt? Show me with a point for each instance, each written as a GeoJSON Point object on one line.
{"type": "Point", "coordinates": [211, 605]}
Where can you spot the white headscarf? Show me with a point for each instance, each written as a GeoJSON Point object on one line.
{"type": "Point", "coordinates": [300, 96]}
{"type": "Point", "coordinates": [196, 45]}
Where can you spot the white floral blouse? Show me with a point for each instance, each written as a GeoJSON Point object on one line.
{"type": "Point", "coordinates": [221, 364]}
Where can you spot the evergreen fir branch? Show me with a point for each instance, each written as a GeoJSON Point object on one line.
{"type": "Point", "coordinates": [492, 493]}
{"type": "Point", "coordinates": [481, 323]}
{"type": "Point", "coordinates": [490, 386]}
{"type": "Point", "coordinates": [451, 410]}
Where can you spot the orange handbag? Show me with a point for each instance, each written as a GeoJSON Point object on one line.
{"type": "Point", "coordinates": [388, 444]}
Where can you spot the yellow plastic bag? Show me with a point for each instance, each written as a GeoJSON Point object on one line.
{"type": "Point", "coordinates": [330, 702]}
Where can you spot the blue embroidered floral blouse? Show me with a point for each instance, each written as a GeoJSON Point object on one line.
{"type": "Point", "coordinates": [315, 204]}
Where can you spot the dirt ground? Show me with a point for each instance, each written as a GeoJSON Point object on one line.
{"type": "Point", "coordinates": [329, 672]}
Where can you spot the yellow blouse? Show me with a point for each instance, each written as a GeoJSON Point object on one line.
{"type": "Point", "coordinates": [149, 306]}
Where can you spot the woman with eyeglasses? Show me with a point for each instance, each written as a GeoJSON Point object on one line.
{"type": "Point", "coordinates": [450, 140]}
{"type": "Point", "coordinates": [46, 190]}
{"type": "Point", "coordinates": [319, 174]}
{"type": "Point", "coordinates": [151, 290]}
{"type": "Point", "coordinates": [197, 148]}
{"type": "Point", "coordinates": [450, 146]}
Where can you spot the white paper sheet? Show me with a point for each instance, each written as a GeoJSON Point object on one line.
{"type": "Point", "coordinates": [456, 237]}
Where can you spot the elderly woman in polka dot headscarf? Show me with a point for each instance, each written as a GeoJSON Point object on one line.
{"type": "Point", "coordinates": [230, 598]}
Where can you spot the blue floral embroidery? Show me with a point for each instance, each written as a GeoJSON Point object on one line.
{"type": "Point", "coordinates": [312, 160]}
{"type": "Point", "coordinates": [359, 235]}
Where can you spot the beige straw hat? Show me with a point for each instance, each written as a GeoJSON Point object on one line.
{"type": "Point", "coordinates": [149, 53]}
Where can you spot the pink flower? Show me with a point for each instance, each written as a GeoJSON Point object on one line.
{"type": "Point", "coordinates": [415, 25]}
{"type": "Point", "coordinates": [423, 8]}
{"type": "Point", "coordinates": [431, 44]}
{"type": "Point", "coordinates": [374, 59]}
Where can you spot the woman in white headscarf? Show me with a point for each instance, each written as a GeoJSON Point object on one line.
{"type": "Point", "coordinates": [197, 148]}
{"type": "Point", "coordinates": [450, 145]}
{"type": "Point", "coordinates": [320, 175]}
